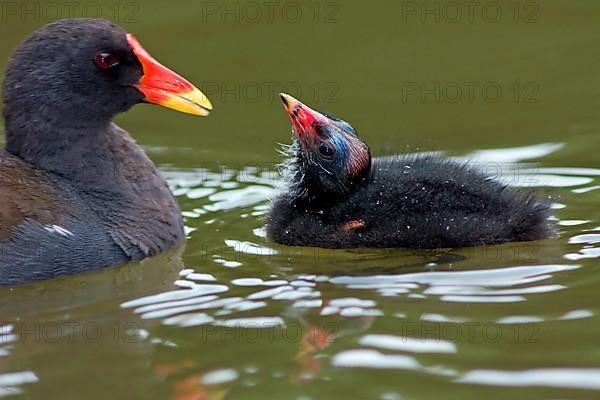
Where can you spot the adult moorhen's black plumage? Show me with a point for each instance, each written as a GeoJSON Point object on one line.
{"type": "Point", "coordinates": [338, 197]}
{"type": "Point", "coordinates": [76, 192]}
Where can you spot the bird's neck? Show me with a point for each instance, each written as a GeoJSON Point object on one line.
{"type": "Point", "coordinates": [88, 153]}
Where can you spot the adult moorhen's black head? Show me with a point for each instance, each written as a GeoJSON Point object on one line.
{"type": "Point", "coordinates": [82, 72]}
{"type": "Point", "coordinates": [327, 157]}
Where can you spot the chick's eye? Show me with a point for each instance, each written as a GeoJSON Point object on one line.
{"type": "Point", "coordinates": [106, 60]}
{"type": "Point", "coordinates": [325, 150]}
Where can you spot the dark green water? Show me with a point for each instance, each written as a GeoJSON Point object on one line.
{"type": "Point", "coordinates": [517, 92]}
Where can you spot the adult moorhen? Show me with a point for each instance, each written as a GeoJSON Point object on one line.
{"type": "Point", "coordinates": [337, 196]}
{"type": "Point", "coordinates": [76, 192]}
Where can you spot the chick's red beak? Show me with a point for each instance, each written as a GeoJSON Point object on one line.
{"type": "Point", "coordinates": [304, 119]}
{"type": "Point", "coordinates": [164, 87]}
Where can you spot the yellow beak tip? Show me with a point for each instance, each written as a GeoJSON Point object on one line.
{"type": "Point", "coordinates": [194, 102]}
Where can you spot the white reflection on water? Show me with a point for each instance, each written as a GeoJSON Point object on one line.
{"type": "Point", "coordinates": [438, 318]}
{"type": "Point", "coordinates": [10, 381]}
{"type": "Point", "coordinates": [586, 189]}
{"type": "Point", "coordinates": [403, 343]}
{"type": "Point", "coordinates": [257, 282]}
{"type": "Point", "coordinates": [239, 198]}
{"type": "Point", "coordinates": [477, 290]}
{"type": "Point", "coordinates": [519, 319]}
{"type": "Point", "coordinates": [181, 307]}
{"type": "Point", "coordinates": [577, 314]}
{"type": "Point", "coordinates": [178, 303]}
{"type": "Point", "coordinates": [252, 323]}
{"type": "Point", "coordinates": [352, 302]}
{"type": "Point", "coordinates": [576, 378]}
{"type": "Point", "coordinates": [465, 286]}
{"type": "Point", "coordinates": [374, 359]}
{"type": "Point", "coordinates": [269, 293]}
{"type": "Point", "coordinates": [200, 277]}
{"type": "Point", "coordinates": [228, 264]}
{"type": "Point", "coordinates": [363, 358]}
{"type": "Point", "coordinates": [188, 320]}
{"type": "Point", "coordinates": [220, 376]}
{"type": "Point", "coordinates": [572, 222]}
{"type": "Point", "coordinates": [588, 238]}
{"type": "Point", "coordinates": [7, 336]}
{"type": "Point", "coordinates": [483, 299]}
{"type": "Point", "coordinates": [503, 163]}
{"type": "Point", "coordinates": [515, 154]}
{"type": "Point", "coordinates": [588, 250]}
{"type": "Point", "coordinates": [571, 171]}
{"type": "Point", "coordinates": [318, 303]}
{"type": "Point", "coordinates": [199, 193]}
{"type": "Point", "coordinates": [204, 305]}
{"type": "Point", "coordinates": [545, 180]}
{"type": "Point", "coordinates": [250, 248]}
{"type": "Point", "coordinates": [6, 333]}
{"type": "Point", "coordinates": [175, 295]}
{"type": "Point", "coordinates": [551, 177]}
{"type": "Point", "coordinates": [584, 253]}
{"type": "Point", "coordinates": [355, 312]}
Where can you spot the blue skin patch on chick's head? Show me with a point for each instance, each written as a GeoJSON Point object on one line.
{"type": "Point", "coordinates": [330, 157]}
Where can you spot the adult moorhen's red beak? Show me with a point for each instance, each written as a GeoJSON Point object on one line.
{"type": "Point", "coordinates": [303, 117]}
{"type": "Point", "coordinates": [164, 87]}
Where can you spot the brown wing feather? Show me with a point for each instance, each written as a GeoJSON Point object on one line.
{"type": "Point", "coordinates": [26, 193]}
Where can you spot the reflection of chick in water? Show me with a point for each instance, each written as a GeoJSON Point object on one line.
{"type": "Point", "coordinates": [316, 338]}
{"type": "Point", "coordinates": [189, 387]}
{"type": "Point", "coordinates": [192, 388]}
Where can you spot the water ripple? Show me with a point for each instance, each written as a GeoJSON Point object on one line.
{"type": "Point", "coordinates": [576, 378]}
{"type": "Point", "coordinates": [373, 359]}
{"type": "Point", "coordinates": [255, 296]}
{"type": "Point", "coordinates": [403, 343]}
{"type": "Point", "coordinates": [9, 382]}
{"type": "Point", "coordinates": [463, 286]}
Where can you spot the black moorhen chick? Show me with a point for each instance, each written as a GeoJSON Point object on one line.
{"type": "Point", "coordinates": [338, 197]}
{"type": "Point", "coordinates": [76, 192]}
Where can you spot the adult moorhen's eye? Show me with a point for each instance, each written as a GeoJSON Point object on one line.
{"type": "Point", "coordinates": [106, 60]}
{"type": "Point", "coordinates": [326, 151]}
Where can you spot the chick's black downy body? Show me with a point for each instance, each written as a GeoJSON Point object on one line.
{"type": "Point", "coordinates": [423, 201]}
